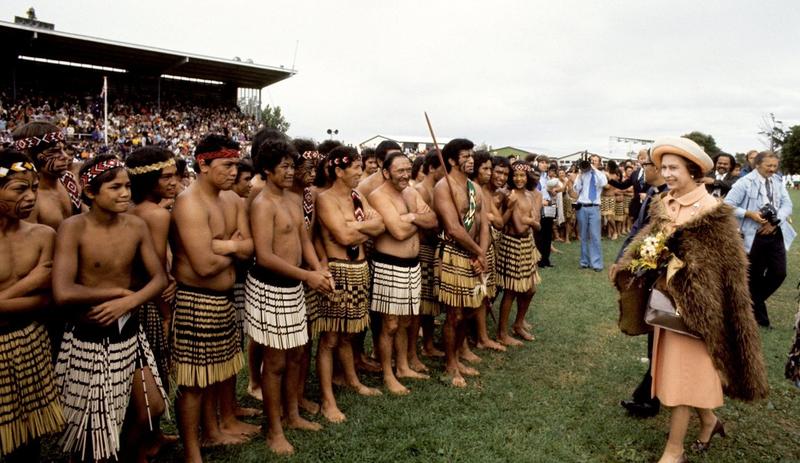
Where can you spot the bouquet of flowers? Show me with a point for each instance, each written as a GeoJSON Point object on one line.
{"type": "Point", "coordinates": [651, 253]}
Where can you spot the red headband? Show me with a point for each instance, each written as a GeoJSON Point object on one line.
{"type": "Point", "coordinates": [51, 138]}
{"type": "Point", "coordinates": [311, 155]}
{"type": "Point", "coordinates": [521, 166]}
{"type": "Point", "coordinates": [223, 153]}
{"type": "Point", "coordinates": [98, 169]}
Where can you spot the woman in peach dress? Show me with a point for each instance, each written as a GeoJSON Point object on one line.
{"type": "Point", "coordinates": [706, 280]}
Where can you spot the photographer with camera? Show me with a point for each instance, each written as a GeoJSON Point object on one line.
{"type": "Point", "coordinates": [588, 185]}
{"type": "Point", "coordinates": [762, 206]}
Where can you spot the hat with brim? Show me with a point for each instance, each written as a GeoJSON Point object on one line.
{"type": "Point", "coordinates": [682, 147]}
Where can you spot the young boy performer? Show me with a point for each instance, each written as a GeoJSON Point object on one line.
{"type": "Point", "coordinates": [396, 274]}
{"type": "Point", "coordinates": [275, 311]}
{"type": "Point", "coordinates": [29, 405]}
{"type": "Point", "coordinates": [515, 254]}
{"type": "Point", "coordinates": [105, 359]}
{"type": "Point", "coordinates": [154, 181]}
{"type": "Point", "coordinates": [428, 242]}
{"type": "Point", "coordinates": [462, 251]}
{"type": "Point", "coordinates": [346, 220]}
{"type": "Point", "coordinates": [482, 175]}
{"type": "Point", "coordinates": [211, 231]}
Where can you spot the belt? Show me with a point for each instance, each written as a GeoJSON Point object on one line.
{"type": "Point", "coordinates": [589, 205]}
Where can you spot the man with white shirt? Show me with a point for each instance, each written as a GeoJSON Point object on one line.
{"type": "Point", "coordinates": [762, 205]}
{"type": "Point", "coordinates": [544, 236]}
{"type": "Point", "coordinates": [588, 185]}
{"type": "Point", "coordinates": [719, 181]}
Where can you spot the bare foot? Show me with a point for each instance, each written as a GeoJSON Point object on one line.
{"type": "Point", "coordinates": [280, 445]}
{"type": "Point", "coordinates": [160, 441]}
{"type": "Point", "coordinates": [417, 365]}
{"type": "Point", "coordinates": [302, 424]}
{"type": "Point", "coordinates": [216, 439]}
{"type": "Point", "coordinates": [236, 427]}
{"type": "Point", "coordinates": [467, 371]}
{"type": "Point", "coordinates": [254, 391]}
{"type": "Point", "coordinates": [509, 341]}
{"type": "Point", "coordinates": [490, 344]}
{"type": "Point", "coordinates": [364, 390]}
{"type": "Point", "coordinates": [454, 378]}
{"type": "Point", "coordinates": [410, 373]}
{"type": "Point", "coordinates": [309, 406]}
{"type": "Point", "coordinates": [244, 412]}
{"type": "Point", "coordinates": [432, 352]}
{"type": "Point", "coordinates": [527, 325]}
{"type": "Point", "coordinates": [469, 356]}
{"type": "Point", "coordinates": [521, 332]}
{"type": "Point", "coordinates": [332, 413]}
{"type": "Point", "coordinates": [395, 387]}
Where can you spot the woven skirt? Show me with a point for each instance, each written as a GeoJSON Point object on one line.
{"type": "Point", "coordinates": [459, 284]}
{"type": "Point", "coordinates": [515, 265]}
{"type": "Point", "coordinates": [346, 310]}
{"type": "Point", "coordinates": [619, 208]}
{"type": "Point", "coordinates": [275, 310]}
{"type": "Point", "coordinates": [429, 305]}
{"type": "Point", "coordinates": [607, 206]}
{"type": "Point", "coordinates": [491, 272]}
{"type": "Point", "coordinates": [29, 402]}
{"type": "Point", "coordinates": [95, 374]}
{"type": "Point", "coordinates": [396, 285]}
{"type": "Point", "coordinates": [151, 319]}
{"type": "Point", "coordinates": [205, 341]}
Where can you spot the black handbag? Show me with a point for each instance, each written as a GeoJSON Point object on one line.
{"type": "Point", "coordinates": [661, 312]}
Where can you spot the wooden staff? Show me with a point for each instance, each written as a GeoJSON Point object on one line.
{"type": "Point", "coordinates": [446, 170]}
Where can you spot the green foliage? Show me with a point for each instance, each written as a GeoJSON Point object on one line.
{"type": "Point", "coordinates": [272, 117]}
{"type": "Point", "coordinates": [706, 141]}
{"type": "Point", "coordinates": [790, 151]}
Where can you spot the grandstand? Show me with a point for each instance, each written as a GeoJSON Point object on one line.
{"type": "Point", "coordinates": [49, 62]}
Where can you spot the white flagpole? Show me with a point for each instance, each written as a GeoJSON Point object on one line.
{"type": "Point", "coordinates": [105, 110]}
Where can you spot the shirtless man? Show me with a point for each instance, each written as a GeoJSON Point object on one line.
{"type": "Point", "coordinates": [396, 276]}
{"type": "Point", "coordinates": [370, 162]}
{"type": "Point", "coordinates": [106, 266]}
{"type": "Point", "coordinates": [463, 251]}
{"type": "Point", "coordinates": [154, 179]}
{"type": "Point", "coordinates": [275, 309]}
{"type": "Point", "coordinates": [210, 231]}
{"type": "Point", "coordinates": [44, 143]}
{"type": "Point", "coordinates": [482, 175]}
{"type": "Point", "coordinates": [428, 243]}
{"type": "Point", "coordinates": [346, 221]}
{"type": "Point", "coordinates": [515, 255]}
{"type": "Point", "coordinates": [32, 408]}
{"type": "Point", "coordinates": [244, 174]}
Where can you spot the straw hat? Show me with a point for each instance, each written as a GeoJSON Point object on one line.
{"type": "Point", "coordinates": [683, 147]}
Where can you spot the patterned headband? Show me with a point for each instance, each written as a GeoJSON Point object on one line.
{"type": "Point", "coordinates": [50, 138]}
{"type": "Point", "coordinates": [521, 166]}
{"type": "Point", "coordinates": [16, 167]}
{"type": "Point", "coordinates": [98, 169]}
{"type": "Point", "coordinates": [151, 167]}
{"type": "Point", "coordinates": [223, 153]}
{"type": "Point", "coordinates": [310, 155]}
{"type": "Point", "coordinates": [338, 161]}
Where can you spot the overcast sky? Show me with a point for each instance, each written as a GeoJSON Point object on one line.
{"type": "Point", "coordinates": [557, 77]}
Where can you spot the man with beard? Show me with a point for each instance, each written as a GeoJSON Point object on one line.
{"type": "Point", "coordinates": [720, 180]}
{"type": "Point", "coordinates": [516, 268]}
{"type": "Point", "coordinates": [45, 144]}
{"type": "Point", "coordinates": [396, 275]}
{"type": "Point", "coordinates": [428, 243]}
{"type": "Point", "coordinates": [211, 230]}
{"type": "Point", "coordinates": [370, 162]}
{"type": "Point", "coordinates": [346, 222]}
{"type": "Point", "coordinates": [29, 405]}
{"type": "Point", "coordinates": [459, 205]}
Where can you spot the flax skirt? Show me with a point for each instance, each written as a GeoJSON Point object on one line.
{"type": "Point", "coordinates": [275, 310]}
{"type": "Point", "coordinates": [396, 285]}
{"type": "Point", "coordinates": [429, 305]}
{"type": "Point", "coordinates": [346, 310]}
{"type": "Point", "coordinates": [459, 284]}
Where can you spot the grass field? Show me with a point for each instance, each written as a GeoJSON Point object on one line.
{"type": "Point", "coordinates": [553, 400]}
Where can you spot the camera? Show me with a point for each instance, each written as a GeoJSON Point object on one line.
{"type": "Point", "coordinates": [770, 214]}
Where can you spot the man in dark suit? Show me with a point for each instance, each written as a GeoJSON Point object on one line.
{"type": "Point", "coordinates": [641, 404]}
{"type": "Point", "coordinates": [637, 181]}
{"type": "Point", "coordinates": [720, 180]}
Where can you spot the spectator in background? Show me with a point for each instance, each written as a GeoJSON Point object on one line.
{"type": "Point", "coordinates": [588, 185]}
{"type": "Point", "coordinates": [370, 162]}
{"type": "Point", "coordinates": [720, 180]}
{"type": "Point", "coordinates": [243, 176]}
{"type": "Point", "coordinates": [763, 206]}
{"type": "Point", "coordinates": [749, 166]}
{"type": "Point", "coordinates": [544, 236]}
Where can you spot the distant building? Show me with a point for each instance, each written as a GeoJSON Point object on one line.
{"type": "Point", "coordinates": [409, 144]}
{"type": "Point", "coordinates": [508, 151]}
{"type": "Point", "coordinates": [569, 159]}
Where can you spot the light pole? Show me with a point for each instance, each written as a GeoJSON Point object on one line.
{"type": "Point", "coordinates": [332, 132]}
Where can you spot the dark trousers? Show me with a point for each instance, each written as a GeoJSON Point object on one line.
{"type": "Point", "coordinates": [543, 239]}
{"type": "Point", "coordinates": [767, 271]}
{"type": "Point", "coordinates": [643, 391]}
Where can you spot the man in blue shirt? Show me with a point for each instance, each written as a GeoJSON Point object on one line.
{"type": "Point", "coordinates": [763, 205]}
{"type": "Point", "coordinates": [588, 185]}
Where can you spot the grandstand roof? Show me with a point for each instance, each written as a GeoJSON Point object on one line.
{"type": "Point", "coordinates": [41, 43]}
